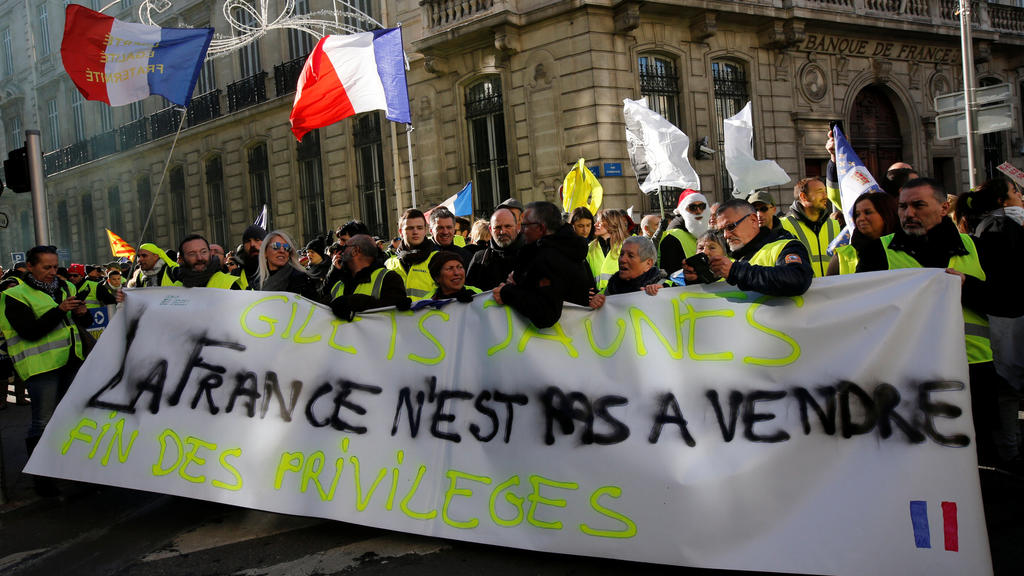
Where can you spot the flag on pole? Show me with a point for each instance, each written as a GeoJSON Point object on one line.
{"type": "Point", "coordinates": [261, 220]}
{"type": "Point", "coordinates": [581, 188]}
{"type": "Point", "coordinates": [657, 149]}
{"type": "Point", "coordinates": [118, 247]}
{"type": "Point", "coordinates": [122, 62]}
{"type": "Point", "coordinates": [854, 180]}
{"type": "Point", "coordinates": [461, 203]}
{"type": "Point", "coordinates": [747, 173]}
{"type": "Point", "coordinates": [349, 74]}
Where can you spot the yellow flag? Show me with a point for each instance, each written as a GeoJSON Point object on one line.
{"type": "Point", "coordinates": [581, 188]}
{"type": "Point", "coordinates": [118, 247]}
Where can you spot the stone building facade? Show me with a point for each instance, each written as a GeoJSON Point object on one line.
{"type": "Point", "coordinates": [505, 93]}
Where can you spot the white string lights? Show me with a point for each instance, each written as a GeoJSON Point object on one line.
{"type": "Point", "coordinates": [250, 20]}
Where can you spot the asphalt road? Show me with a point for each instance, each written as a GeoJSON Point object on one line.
{"type": "Point", "coordinates": [112, 531]}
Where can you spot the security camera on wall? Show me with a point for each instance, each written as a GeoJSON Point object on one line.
{"type": "Point", "coordinates": [703, 150]}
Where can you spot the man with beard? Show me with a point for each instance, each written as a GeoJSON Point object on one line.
{"type": "Point", "coordinates": [492, 265]}
{"type": "Point", "coordinates": [809, 221]}
{"type": "Point", "coordinates": [680, 239]}
{"type": "Point", "coordinates": [929, 239]}
{"type": "Point", "coordinates": [154, 267]}
{"type": "Point", "coordinates": [364, 283]}
{"type": "Point", "coordinates": [772, 263]}
{"type": "Point", "coordinates": [412, 261]}
{"type": "Point", "coordinates": [551, 268]}
{"type": "Point", "coordinates": [199, 268]}
{"type": "Point", "coordinates": [252, 239]}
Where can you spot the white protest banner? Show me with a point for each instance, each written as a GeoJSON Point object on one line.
{"type": "Point", "coordinates": [1015, 174]}
{"type": "Point", "coordinates": [703, 426]}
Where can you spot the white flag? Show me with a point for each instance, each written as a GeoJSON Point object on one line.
{"type": "Point", "coordinates": [747, 173]}
{"type": "Point", "coordinates": [657, 149]}
{"type": "Point", "coordinates": [261, 220]}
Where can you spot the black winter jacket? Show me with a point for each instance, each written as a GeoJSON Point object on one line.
{"type": "Point", "coordinates": [549, 272]}
{"type": "Point", "coordinates": [790, 276]}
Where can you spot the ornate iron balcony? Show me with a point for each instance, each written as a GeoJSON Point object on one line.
{"type": "Point", "coordinates": [204, 107]}
{"type": "Point", "coordinates": [134, 133]}
{"type": "Point", "coordinates": [286, 75]}
{"type": "Point", "coordinates": [165, 122]}
{"type": "Point", "coordinates": [247, 92]}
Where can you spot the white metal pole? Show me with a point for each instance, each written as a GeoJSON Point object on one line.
{"type": "Point", "coordinates": [36, 177]}
{"type": "Point", "coordinates": [412, 176]}
{"type": "Point", "coordinates": [967, 50]}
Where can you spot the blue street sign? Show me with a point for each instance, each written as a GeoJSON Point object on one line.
{"type": "Point", "coordinates": [17, 257]}
{"type": "Point", "coordinates": [595, 170]}
{"type": "Point", "coordinates": [613, 169]}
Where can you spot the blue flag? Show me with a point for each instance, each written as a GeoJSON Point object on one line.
{"type": "Point", "coordinates": [854, 180]}
{"type": "Point", "coordinates": [461, 203]}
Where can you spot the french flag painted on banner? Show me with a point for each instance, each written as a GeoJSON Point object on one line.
{"type": "Point", "coordinates": [349, 74]}
{"type": "Point", "coordinates": [122, 62]}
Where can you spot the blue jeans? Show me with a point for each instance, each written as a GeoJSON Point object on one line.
{"type": "Point", "coordinates": [45, 391]}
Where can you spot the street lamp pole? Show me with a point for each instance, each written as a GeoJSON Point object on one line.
{"type": "Point", "coordinates": [967, 50]}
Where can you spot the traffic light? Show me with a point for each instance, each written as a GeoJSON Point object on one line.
{"type": "Point", "coordinates": [16, 169]}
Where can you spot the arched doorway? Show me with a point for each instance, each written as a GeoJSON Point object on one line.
{"type": "Point", "coordinates": [875, 130]}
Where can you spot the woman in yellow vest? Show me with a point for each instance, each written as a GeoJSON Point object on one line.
{"type": "Point", "coordinates": [874, 215]}
{"type": "Point", "coordinates": [41, 321]}
{"type": "Point", "coordinates": [611, 228]}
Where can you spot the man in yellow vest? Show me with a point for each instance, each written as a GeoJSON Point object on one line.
{"type": "Point", "coordinates": [766, 261]}
{"type": "Point", "coordinates": [364, 283]}
{"type": "Point", "coordinates": [928, 239]}
{"type": "Point", "coordinates": [199, 268]}
{"type": "Point", "coordinates": [809, 221]}
{"type": "Point", "coordinates": [412, 262]}
{"type": "Point", "coordinates": [153, 267]}
{"type": "Point", "coordinates": [41, 321]}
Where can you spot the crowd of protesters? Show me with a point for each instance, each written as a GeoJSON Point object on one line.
{"type": "Point", "coordinates": [534, 258]}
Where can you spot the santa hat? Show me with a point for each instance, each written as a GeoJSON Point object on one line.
{"type": "Point", "coordinates": [689, 197]}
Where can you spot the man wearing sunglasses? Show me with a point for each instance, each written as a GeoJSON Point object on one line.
{"type": "Point", "coordinates": [772, 263]}
{"type": "Point", "coordinates": [765, 210]}
{"type": "Point", "coordinates": [679, 240]}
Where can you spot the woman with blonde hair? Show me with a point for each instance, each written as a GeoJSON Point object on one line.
{"type": "Point", "coordinates": [279, 268]}
{"type": "Point", "coordinates": [611, 228]}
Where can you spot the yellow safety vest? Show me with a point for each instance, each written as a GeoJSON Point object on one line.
{"type": "Point", "coordinates": [51, 352]}
{"type": "Point", "coordinates": [817, 244]}
{"type": "Point", "coordinates": [371, 287]}
{"type": "Point", "coordinates": [848, 259]}
{"type": "Point", "coordinates": [686, 240]}
{"type": "Point", "coordinates": [218, 280]}
{"type": "Point", "coordinates": [419, 284]}
{"type": "Point", "coordinates": [768, 255]}
{"type": "Point", "coordinates": [459, 241]}
{"type": "Point", "coordinates": [976, 332]}
{"type": "Point", "coordinates": [91, 299]}
{"type": "Point", "coordinates": [602, 266]}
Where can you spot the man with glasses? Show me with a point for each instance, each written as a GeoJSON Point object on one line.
{"type": "Point", "coordinates": [809, 220]}
{"type": "Point", "coordinates": [551, 269]}
{"type": "Point", "coordinates": [679, 241]}
{"type": "Point", "coordinates": [765, 210]}
{"type": "Point", "coordinates": [772, 263]}
{"type": "Point", "coordinates": [492, 265]}
{"type": "Point", "coordinates": [41, 321]}
{"type": "Point", "coordinates": [200, 269]}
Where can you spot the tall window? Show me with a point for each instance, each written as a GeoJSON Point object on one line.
{"type": "Point", "coordinates": [54, 118]}
{"type": "Point", "coordinates": [144, 194]}
{"type": "Point", "coordinates": [364, 6]}
{"type": "Point", "coordinates": [63, 227]}
{"type": "Point", "coordinates": [215, 192]}
{"type": "Point", "coordinates": [370, 168]}
{"type": "Point", "coordinates": [992, 143]}
{"type": "Point", "coordinates": [485, 114]}
{"type": "Point", "coordinates": [137, 110]}
{"type": "Point", "coordinates": [88, 239]}
{"type": "Point", "coordinates": [116, 215]}
{"type": "Point", "coordinates": [259, 182]}
{"type": "Point", "coordinates": [207, 78]}
{"type": "Point", "coordinates": [15, 138]}
{"type": "Point", "coordinates": [179, 211]}
{"type": "Point", "coordinates": [78, 114]}
{"type": "Point", "coordinates": [300, 43]}
{"type": "Point", "coordinates": [731, 95]}
{"type": "Point", "coordinates": [660, 84]}
{"type": "Point", "coordinates": [311, 185]}
{"type": "Point", "coordinates": [126, 4]}
{"type": "Point", "coordinates": [44, 31]}
{"type": "Point", "coordinates": [249, 56]}
{"type": "Point", "coordinates": [106, 119]}
{"type": "Point", "coordinates": [8, 54]}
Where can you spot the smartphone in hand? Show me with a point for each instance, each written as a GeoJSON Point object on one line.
{"type": "Point", "coordinates": [702, 268]}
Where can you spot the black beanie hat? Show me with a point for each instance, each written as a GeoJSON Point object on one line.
{"type": "Point", "coordinates": [253, 231]}
{"type": "Point", "coordinates": [317, 245]}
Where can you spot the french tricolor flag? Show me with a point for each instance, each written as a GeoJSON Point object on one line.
{"type": "Point", "coordinates": [122, 62]}
{"type": "Point", "coordinates": [350, 74]}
